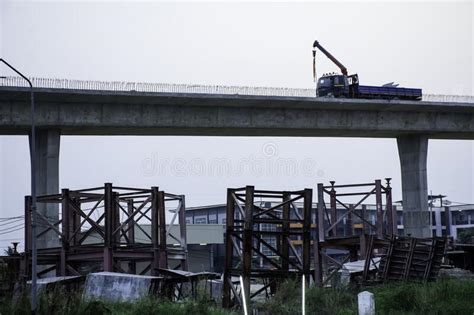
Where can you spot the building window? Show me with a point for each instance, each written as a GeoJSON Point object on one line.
{"type": "Point", "coordinates": [372, 218]}
{"type": "Point", "coordinates": [188, 221]}
{"type": "Point", "coordinates": [267, 227]}
{"type": "Point", "coordinates": [200, 221]}
{"type": "Point", "coordinates": [224, 221]}
{"type": "Point", "coordinates": [461, 219]}
{"type": "Point", "coordinates": [399, 218]}
{"type": "Point", "coordinates": [212, 221]}
{"type": "Point", "coordinates": [271, 240]}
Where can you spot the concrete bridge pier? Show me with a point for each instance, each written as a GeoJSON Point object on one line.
{"type": "Point", "coordinates": [47, 181]}
{"type": "Point", "coordinates": [413, 150]}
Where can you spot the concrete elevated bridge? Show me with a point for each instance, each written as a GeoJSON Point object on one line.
{"type": "Point", "coordinates": [66, 107]}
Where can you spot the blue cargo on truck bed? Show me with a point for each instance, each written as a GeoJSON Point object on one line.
{"type": "Point", "coordinates": [366, 91]}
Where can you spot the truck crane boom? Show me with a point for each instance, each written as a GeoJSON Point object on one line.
{"type": "Point", "coordinates": [331, 57]}
{"type": "Point", "coordinates": [347, 86]}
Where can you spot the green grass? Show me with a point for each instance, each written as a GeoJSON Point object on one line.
{"type": "Point", "coordinates": [321, 301]}
{"type": "Point", "coordinates": [446, 296]}
{"type": "Point", "coordinates": [441, 297]}
{"type": "Point", "coordinates": [57, 302]}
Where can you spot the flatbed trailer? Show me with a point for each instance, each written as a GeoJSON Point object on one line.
{"type": "Point", "coordinates": [385, 92]}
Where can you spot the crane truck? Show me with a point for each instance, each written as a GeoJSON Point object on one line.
{"type": "Point", "coordinates": [347, 86]}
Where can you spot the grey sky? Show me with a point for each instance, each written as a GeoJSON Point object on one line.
{"type": "Point", "coordinates": [426, 45]}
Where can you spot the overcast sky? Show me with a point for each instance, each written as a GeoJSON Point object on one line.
{"type": "Point", "coordinates": [427, 45]}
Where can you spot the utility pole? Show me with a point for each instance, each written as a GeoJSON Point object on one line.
{"type": "Point", "coordinates": [33, 189]}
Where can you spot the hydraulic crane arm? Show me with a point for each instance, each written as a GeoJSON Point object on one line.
{"type": "Point", "coordinates": [331, 57]}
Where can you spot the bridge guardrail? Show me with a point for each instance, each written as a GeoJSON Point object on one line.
{"type": "Point", "coordinates": [190, 88]}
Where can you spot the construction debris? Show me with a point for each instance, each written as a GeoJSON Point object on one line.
{"type": "Point", "coordinates": [119, 287]}
{"type": "Point", "coordinates": [179, 284]}
{"type": "Point", "coordinates": [409, 258]}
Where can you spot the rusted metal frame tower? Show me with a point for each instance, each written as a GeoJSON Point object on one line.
{"type": "Point", "coordinates": [247, 210]}
{"type": "Point", "coordinates": [329, 219]}
{"type": "Point", "coordinates": [119, 211]}
{"type": "Point", "coordinates": [386, 219]}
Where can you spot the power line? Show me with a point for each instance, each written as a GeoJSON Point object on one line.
{"type": "Point", "coordinates": [11, 218]}
{"type": "Point", "coordinates": [11, 222]}
{"type": "Point", "coordinates": [7, 232]}
{"type": "Point", "coordinates": [11, 228]}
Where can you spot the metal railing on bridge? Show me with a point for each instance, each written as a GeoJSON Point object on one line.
{"type": "Point", "coordinates": [121, 86]}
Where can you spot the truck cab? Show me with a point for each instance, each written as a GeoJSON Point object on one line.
{"type": "Point", "coordinates": [332, 85]}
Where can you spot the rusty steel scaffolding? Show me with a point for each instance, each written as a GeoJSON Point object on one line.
{"type": "Point", "coordinates": [337, 221]}
{"type": "Point", "coordinates": [99, 225]}
{"type": "Point", "coordinates": [385, 220]}
{"type": "Point", "coordinates": [258, 232]}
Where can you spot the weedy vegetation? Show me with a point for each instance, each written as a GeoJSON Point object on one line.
{"type": "Point", "coordinates": [446, 296]}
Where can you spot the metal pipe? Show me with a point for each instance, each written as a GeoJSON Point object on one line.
{"type": "Point", "coordinates": [303, 293]}
{"type": "Point", "coordinates": [244, 299]}
{"type": "Point", "coordinates": [33, 190]}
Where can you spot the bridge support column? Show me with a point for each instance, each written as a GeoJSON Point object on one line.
{"type": "Point", "coordinates": [413, 150]}
{"type": "Point", "coordinates": [47, 181]}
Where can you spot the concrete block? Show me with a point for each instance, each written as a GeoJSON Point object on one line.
{"type": "Point", "coordinates": [118, 287]}
{"type": "Point", "coordinates": [366, 303]}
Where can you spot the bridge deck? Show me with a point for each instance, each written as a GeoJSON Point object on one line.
{"type": "Point", "coordinates": [130, 112]}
